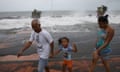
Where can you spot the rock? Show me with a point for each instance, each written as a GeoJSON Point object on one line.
{"type": "Point", "coordinates": [36, 14]}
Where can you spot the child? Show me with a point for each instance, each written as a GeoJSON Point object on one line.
{"type": "Point", "coordinates": [67, 49]}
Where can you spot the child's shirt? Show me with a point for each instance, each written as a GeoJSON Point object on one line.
{"type": "Point", "coordinates": [67, 52]}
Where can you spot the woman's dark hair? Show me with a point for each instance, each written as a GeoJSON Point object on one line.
{"type": "Point", "coordinates": [103, 19]}
{"type": "Point", "coordinates": [60, 40]}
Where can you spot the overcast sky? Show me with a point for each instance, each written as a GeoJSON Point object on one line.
{"type": "Point", "coordinates": [28, 5]}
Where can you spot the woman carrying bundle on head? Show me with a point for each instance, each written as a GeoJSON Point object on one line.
{"type": "Point", "coordinates": [101, 11]}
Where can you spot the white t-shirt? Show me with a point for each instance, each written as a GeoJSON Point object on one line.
{"type": "Point", "coordinates": [43, 40]}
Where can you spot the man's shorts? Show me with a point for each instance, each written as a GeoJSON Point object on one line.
{"type": "Point", "coordinates": [42, 64]}
{"type": "Point", "coordinates": [68, 63]}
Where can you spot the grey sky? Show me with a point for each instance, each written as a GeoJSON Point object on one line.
{"type": "Point", "coordinates": [28, 5]}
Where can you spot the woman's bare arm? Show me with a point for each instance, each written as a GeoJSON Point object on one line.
{"type": "Point", "coordinates": [109, 37]}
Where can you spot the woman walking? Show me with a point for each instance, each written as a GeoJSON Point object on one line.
{"type": "Point", "coordinates": [103, 49]}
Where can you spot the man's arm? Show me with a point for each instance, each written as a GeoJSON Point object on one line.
{"type": "Point", "coordinates": [51, 43]}
{"type": "Point", "coordinates": [26, 46]}
{"type": "Point", "coordinates": [52, 49]}
{"type": "Point", "coordinates": [57, 52]}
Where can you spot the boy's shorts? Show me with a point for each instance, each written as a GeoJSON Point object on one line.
{"type": "Point", "coordinates": [68, 63]}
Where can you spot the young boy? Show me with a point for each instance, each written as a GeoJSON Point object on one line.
{"type": "Point", "coordinates": [67, 49]}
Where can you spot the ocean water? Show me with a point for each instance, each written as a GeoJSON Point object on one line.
{"type": "Point", "coordinates": [14, 20]}
{"type": "Point", "coordinates": [80, 27]}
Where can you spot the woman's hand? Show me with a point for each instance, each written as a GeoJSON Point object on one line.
{"type": "Point", "coordinates": [95, 54]}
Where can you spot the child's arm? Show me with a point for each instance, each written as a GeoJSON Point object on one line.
{"type": "Point", "coordinates": [74, 47]}
{"type": "Point", "coordinates": [57, 52]}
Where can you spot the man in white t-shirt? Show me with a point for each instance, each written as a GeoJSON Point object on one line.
{"type": "Point", "coordinates": [44, 43]}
